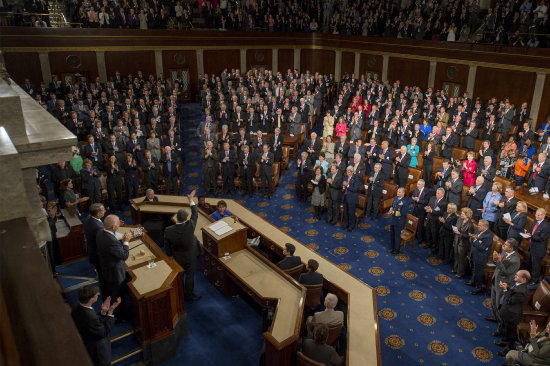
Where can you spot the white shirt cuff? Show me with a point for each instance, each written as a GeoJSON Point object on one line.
{"type": "Point", "coordinates": [126, 243]}
{"type": "Point", "coordinates": [192, 203]}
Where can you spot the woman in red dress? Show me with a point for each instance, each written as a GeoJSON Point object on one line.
{"type": "Point", "coordinates": [469, 170]}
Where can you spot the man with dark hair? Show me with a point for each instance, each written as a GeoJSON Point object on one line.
{"type": "Point", "coordinates": [318, 350]}
{"type": "Point", "coordinates": [95, 328]}
{"type": "Point", "coordinates": [481, 240]}
{"type": "Point", "coordinates": [311, 277]}
{"type": "Point", "coordinates": [92, 226]}
{"type": "Point", "coordinates": [290, 260]}
{"type": "Point", "coordinates": [181, 244]}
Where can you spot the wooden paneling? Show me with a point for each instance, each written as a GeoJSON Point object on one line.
{"type": "Point", "coordinates": [445, 71]}
{"type": "Point", "coordinates": [370, 63]}
{"type": "Point", "coordinates": [285, 60]}
{"type": "Point", "coordinates": [499, 83]}
{"type": "Point", "coordinates": [321, 61]}
{"type": "Point", "coordinates": [177, 60]}
{"type": "Point", "coordinates": [544, 103]}
{"type": "Point", "coordinates": [409, 71]}
{"type": "Point", "coordinates": [215, 61]}
{"type": "Point", "coordinates": [24, 65]}
{"type": "Point", "coordinates": [259, 58]}
{"type": "Point", "coordinates": [86, 67]}
{"type": "Point", "coordinates": [348, 62]}
{"type": "Point", "coordinates": [130, 62]}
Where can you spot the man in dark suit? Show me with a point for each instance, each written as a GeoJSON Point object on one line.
{"type": "Point", "coordinates": [227, 160]}
{"type": "Point", "coordinates": [276, 143]}
{"type": "Point", "coordinates": [94, 328]}
{"type": "Point", "coordinates": [436, 208]}
{"type": "Point", "coordinates": [180, 242]}
{"type": "Point", "coordinates": [375, 191]}
{"type": "Point", "coordinates": [247, 164]}
{"type": "Point", "coordinates": [540, 232]}
{"type": "Point", "coordinates": [486, 171]}
{"type": "Point", "coordinates": [313, 148]}
{"type": "Point", "coordinates": [334, 181]}
{"type": "Point", "coordinates": [342, 147]}
{"type": "Point", "coordinates": [511, 309]}
{"type": "Point", "coordinates": [266, 171]}
{"type": "Point", "coordinates": [92, 151]}
{"type": "Point", "coordinates": [454, 188]}
{"type": "Point", "coordinates": [477, 194]}
{"type": "Point", "coordinates": [507, 205]}
{"type": "Point", "coordinates": [290, 260]}
{"type": "Point", "coordinates": [304, 175]}
{"type": "Point", "coordinates": [402, 161]}
{"type": "Point", "coordinates": [150, 169]}
{"type": "Point", "coordinates": [135, 147]}
{"type": "Point", "coordinates": [170, 170]}
{"type": "Point", "coordinates": [398, 213]}
{"type": "Point", "coordinates": [311, 277]}
{"type": "Point", "coordinates": [172, 141]}
{"type": "Point", "coordinates": [209, 169]}
{"type": "Point", "coordinates": [92, 226]}
{"type": "Point", "coordinates": [112, 254]}
{"type": "Point", "coordinates": [317, 349]}
{"type": "Point", "coordinates": [443, 174]}
{"type": "Point", "coordinates": [540, 173]}
{"type": "Point", "coordinates": [481, 241]}
{"type": "Point", "coordinates": [420, 199]}
{"type": "Point", "coordinates": [470, 136]}
{"type": "Point", "coordinates": [351, 185]}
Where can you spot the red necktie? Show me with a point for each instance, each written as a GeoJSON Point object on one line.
{"type": "Point", "coordinates": [504, 258]}
{"type": "Point", "coordinates": [534, 228]}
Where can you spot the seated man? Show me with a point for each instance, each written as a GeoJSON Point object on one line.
{"type": "Point", "coordinates": [290, 260]}
{"type": "Point", "coordinates": [328, 316]}
{"type": "Point", "coordinates": [221, 212]}
{"type": "Point", "coordinates": [318, 350]}
{"type": "Point", "coordinates": [311, 277]}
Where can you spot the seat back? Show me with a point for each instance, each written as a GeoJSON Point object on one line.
{"type": "Point", "coordinates": [414, 175]}
{"type": "Point", "coordinates": [303, 360]}
{"type": "Point", "coordinates": [295, 272]}
{"type": "Point", "coordinates": [313, 294]}
{"type": "Point", "coordinates": [276, 169]}
{"type": "Point", "coordinates": [505, 182]}
{"type": "Point", "coordinates": [361, 201]}
{"type": "Point", "coordinates": [438, 163]}
{"type": "Point", "coordinates": [333, 333]}
{"type": "Point", "coordinates": [478, 144]}
{"type": "Point", "coordinates": [459, 153]}
{"type": "Point", "coordinates": [285, 149]}
{"type": "Point", "coordinates": [411, 224]}
{"type": "Point", "coordinates": [541, 298]}
{"type": "Point", "coordinates": [389, 192]}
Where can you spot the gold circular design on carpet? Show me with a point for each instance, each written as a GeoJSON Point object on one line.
{"type": "Point", "coordinates": [438, 348]}
{"type": "Point", "coordinates": [387, 314]}
{"type": "Point", "coordinates": [402, 257]}
{"type": "Point", "coordinates": [193, 175]}
{"type": "Point", "coordinates": [364, 225]}
{"type": "Point", "coordinates": [417, 295]}
{"type": "Point", "coordinates": [482, 354]}
{"type": "Point", "coordinates": [290, 186]}
{"type": "Point", "coordinates": [287, 207]}
{"type": "Point", "coordinates": [339, 236]}
{"type": "Point", "coordinates": [433, 261]}
{"type": "Point", "coordinates": [372, 253]}
{"type": "Point", "coordinates": [311, 220]}
{"type": "Point", "coordinates": [466, 324]}
{"type": "Point", "coordinates": [441, 278]}
{"type": "Point", "coordinates": [285, 229]}
{"type": "Point", "coordinates": [312, 246]}
{"type": "Point", "coordinates": [263, 204]}
{"type": "Point", "coordinates": [340, 250]}
{"type": "Point", "coordinates": [487, 304]}
{"type": "Point", "coordinates": [376, 271]}
{"type": "Point", "coordinates": [454, 300]}
{"type": "Point", "coordinates": [310, 209]}
{"type": "Point", "coordinates": [193, 163]}
{"type": "Point", "coordinates": [287, 196]}
{"type": "Point", "coordinates": [394, 341]}
{"type": "Point", "coordinates": [261, 214]}
{"type": "Point", "coordinates": [311, 232]}
{"type": "Point", "coordinates": [285, 217]}
{"type": "Point", "coordinates": [344, 267]}
{"type": "Point", "coordinates": [367, 239]}
{"type": "Point", "coordinates": [192, 144]}
{"type": "Point", "coordinates": [426, 319]}
{"type": "Point", "coordinates": [409, 275]}
{"type": "Point", "coordinates": [192, 153]}
{"type": "Point", "coordinates": [382, 290]}
{"type": "Point", "coordinates": [240, 202]}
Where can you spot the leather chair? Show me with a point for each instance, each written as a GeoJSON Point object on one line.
{"type": "Point", "coordinates": [459, 153]}
{"type": "Point", "coordinates": [284, 160]}
{"type": "Point", "coordinates": [414, 175]}
{"type": "Point", "coordinates": [408, 234]}
{"type": "Point", "coordinates": [313, 295]}
{"type": "Point", "coordinates": [334, 331]}
{"type": "Point", "coordinates": [303, 360]}
{"type": "Point", "coordinates": [295, 272]}
{"type": "Point", "coordinates": [360, 208]}
{"type": "Point", "coordinates": [537, 305]}
{"type": "Point", "coordinates": [389, 192]}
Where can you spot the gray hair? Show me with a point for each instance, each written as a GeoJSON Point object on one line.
{"type": "Point", "coordinates": [331, 301]}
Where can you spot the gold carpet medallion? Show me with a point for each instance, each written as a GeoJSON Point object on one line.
{"type": "Point", "coordinates": [290, 186]}
{"type": "Point", "coordinates": [376, 271]}
{"type": "Point", "coordinates": [433, 261]}
{"type": "Point", "coordinates": [240, 202]}
{"type": "Point", "coordinates": [466, 324]}
{"type": "Point", "coordinates": [344, 267]}
{"type": "Point", "coordinates": [193, 163]}
{"type": "Point", "coordinates": [312, 233]}
{"type": "Point", "coordinates": [482, 354]}
{"type": "Point", "coordinates": [426, 319]}
{"type": "Point", "coordinates": [487, 303]}
{"type": "Point", "coordinates": [261, 214]}
{"type": "Point", "coordinates": [339, 250]}
{"type": "Point", "coordinates": [444, 279]}
{"type": "Point", "coordinates": [417, 295]}
{"type": "Point", "coordinates": [339, 236]}
{"type": "Point", "coordinates": [192, 153]}
{"type": "Point", "coordinates": [287, 207]}
{"type": "Point", "coordinates": [394, 341]}
{"type": "Point", "coordinates": [367, 239]}
{"type": "Point", "coordinates": [402, 257]}
{"type": "Point", "coordinates": [311, 220]}
{"type": "Point", "coordinates": [372, 253]}
{"type": "Point", "coordinates": [454, 300]}
{"type": "Point", "coordinates": [382, 290]}
{"type": "Point", "coordinates": [312, 246]}
{"type": "Point", "coordinates": [193, 187]}
{"type": "Point", "coordinates": [438, 348]}
{"type": "Point", "coordinates": [285, 229]}
{"type": "Point", "coordinates": [285, 217]}
{"type": "Point", "coordinates": [288, 196]}
{"type": "Point", "coordinates": [409, 275]}
{"type": "Point", "coordinates": [310, 209]}
{"type": "Point", "coordinates": [263, 204]}
{"type": "Point", "coordinates": [387, 314]}
{"type": "Point", "coordinates": [387, 227]}
{"type": "Point", "coordinates": [364, 225]}
{"type": "Point", "coordinates": [193, 175]}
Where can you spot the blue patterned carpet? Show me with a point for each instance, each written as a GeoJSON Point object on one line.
{"type": "Point", "coordinates": [426, 315]}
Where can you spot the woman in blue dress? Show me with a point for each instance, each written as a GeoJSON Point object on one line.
{"type": "Point", "coordinates": [413, 150]}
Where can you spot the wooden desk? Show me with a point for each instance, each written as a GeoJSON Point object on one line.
{"type": "Point", "coordinates": [534, 201]}
{"type": "Point", "coordinates": [293, 142]}
{"type": "Point", "coordinates": [71, 245]}
{"type": "Point", "coordinates": [363, 338]}
{"type": "Point", "coordinates": [159, 318]}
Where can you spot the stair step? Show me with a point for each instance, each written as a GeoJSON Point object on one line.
{"type": "Point", "coordinates": [124, 346]}
{"type": "Point", "coordinates": [122, 335]}
{"type": "Point", "coordinates": [133, 355]}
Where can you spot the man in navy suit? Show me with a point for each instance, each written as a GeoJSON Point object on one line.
{"type": "Point", "coordinates": [385, 157]}
{"type": "Point", "coordinates": [94, 328]}
{"type": "Point", "coordinates": [481, 240]}
{"type": "Point", "coordinates": [402, 161]}
{"type": "Point", "coordinates": [227, 160]}
{"type": "Point", "coordinates": [112, 254]}
{"type": "Point", "coordinates": [276, 142]}
{"type": "Point", "coordinates": [541, 171]}
{"type": "Point", "coordinates": [92, 226]}
{"type": "Point", "coordinates": [420, 198]}
{"type": "Point", "coordinates": [290, 260]}
{"type": "Point", "coordinates": [92, 151]}
{"type": "Point", "coordinates": [311, 277]}
{"type": "Point", "coordinates": [540, 232]}
{"type": "Point", "coordinates": [398, 213]}
{"type": "Point", "coordinates": [135, 147]}
{"type": "Point", "coordinates": [350, 187]}
{"type": "Point", "coordinates": [170, 170]}
{"type": "Point", "coordinates": [375, 191]}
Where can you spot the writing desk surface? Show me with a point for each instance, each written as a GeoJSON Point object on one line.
{"type": "Point", "coordinates": [268, 283]}
{"type": "Point", "coordinates": [150, 279]}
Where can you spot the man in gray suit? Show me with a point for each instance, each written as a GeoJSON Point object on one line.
{"type": "Point", "coordinates": [294, 119]}
{"type": "Point", "coordinates": [453, 187]}
{"type": "Point", "coordinates": [329, 315]}
{"type": "Point", "coordinates": [506, 265]}
{"type": "Point", "coordinates": [506, 116]}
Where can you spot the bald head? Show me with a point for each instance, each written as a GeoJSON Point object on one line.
{"type": "Point", "coordinates": [111, 222]}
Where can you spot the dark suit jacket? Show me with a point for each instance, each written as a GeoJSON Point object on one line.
{"type": "Point", "coordinates": [519, 222]}
{"type": "Point", "coordinates": [94, 330]}
{"type": "Point", "coordinates": [87, 153]}
{"type": "Point", "coordinates": [377, 186]}
{"type": "Point", "coordinates": [539, 239]}
{"type": "Point", "coordinates": [289, 262]}
{"type": "Point", "coordinates": [436, 214]}
{"type": "Point", "coordinates": [266, 166]}
{"type": "Point", "coordinates": [511, 309]}
{"type": "Point", "coordinates": [174, 165]}
{"type": "Point", "coordinates": [423, 201]}
{"type": "Point", "coordinates": [481, 247]}
{"type": "Point", "coordinates": [276, 148]}
{"type": "Point", "coordinates": [335, 188]}
{"type": "Point", "coordinates": [539, 180]}
{"type": "Point", "coordinates": [454, 194]}
{"type": "Point", "coordinates": [321, 353]}
{"type": "Point", "coordinates": [180, 240]}
{"type": "Point", "coordinates": [352, 189]}
{"type": "Point", "coordinates": [91, 227]}
{"type": "Point", "coordinates": [112, 254]}
{"type": "Point", "coordinates": [475, 201]}
{"type": "Point", "coordinates": [228, 167]}
{"type": "Point", "coordinates": [311, 278]}
{"type": "Point", "coordinates": [506, 270]}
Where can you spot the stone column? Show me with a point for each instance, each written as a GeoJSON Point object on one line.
{"type": "Point", "coordinates": [385, 63]}
{"type": "Point", "coordinates": [243, 61]}
{"type": "Point", "coordinates": [101, 67]}
{"type": "Point", "coordinates": [159, 68]}
{"type": "Point", "coordinates": [356, 65]}
{"type": "Point", "coordinates": [275, 60]}
{"type": "Point", "coordinates": [338, 66]}
{"type": "Point", "coordinates": [471, 79]}
{"type": "Point", "coordinates": [297, 52]}
{"type": "Point", "coordinates": [537, 96]}
{"type": "Point", "coordinates": [431, 75]}
{"type": "Point", "coordinates": [200, 62]}
{"type": "Point", "coordinates": [45, 67]}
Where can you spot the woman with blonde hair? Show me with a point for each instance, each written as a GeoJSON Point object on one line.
{"type": "Point", "coordinates": [490, 205]}
{"type": "Point", "coordinates": [328, 125]}
{"type": "Point", "coordinates": [461, 243]}
{"type": "Point", "coordinates": [469, 169]}
{"type": "Point", "coordinates": [446, 236]}
{"type": "Point", "coordinates": [516, 224]}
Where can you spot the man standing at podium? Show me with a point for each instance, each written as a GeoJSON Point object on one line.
{"type": "Point", "coordinates": [182, 245]}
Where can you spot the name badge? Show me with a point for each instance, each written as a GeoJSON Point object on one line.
{"type": "Point", "coordinates": [437, 209]}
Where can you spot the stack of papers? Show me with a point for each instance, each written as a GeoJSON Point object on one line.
{"type": "Point", "coordinates": [220, 228]}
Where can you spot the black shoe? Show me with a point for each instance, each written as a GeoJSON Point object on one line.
{"type": "Point", "coordinates": [503, 352]}
{"type": "Point", "coordinates": [499, 343]}
{"type": "Point", "coordinates": [498, 333]}
{"type": "Point", "coordinates": [394, 253]}
{"type": "Point", "coordinates": [389, 251]}
{"type": "Point", "coordinates": [491, 318]}
{"type": "Point", "coordinates": [193, 297]}
{"type": "Point", "coordinates": [476, 291]}
{"type": "Point", "coordinates": [350, 229]}
{"type": "Point", "coordinates": [470, 283]}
